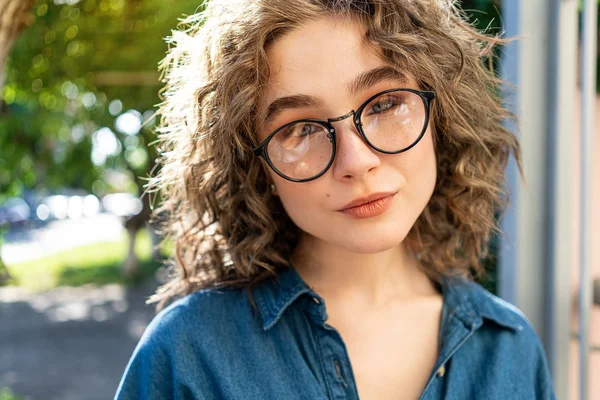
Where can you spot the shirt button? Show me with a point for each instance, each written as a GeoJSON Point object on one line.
{"type": "Point", "coordinates": [316, 300]}
{"type": "Point", "coordinates": [441, 371]}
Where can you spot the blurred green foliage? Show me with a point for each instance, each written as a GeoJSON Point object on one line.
{"type": "Point", "coordinates": [484, 14]}
{"type": "Point", "coordinates": [581, 4]}
{"type": "Point", "coordinates": [7, 394]}
{"type": "Point", "coordinates": [59, 90]}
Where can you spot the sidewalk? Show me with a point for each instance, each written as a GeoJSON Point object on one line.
{"type": "Point", "coordinates": [71, 343]}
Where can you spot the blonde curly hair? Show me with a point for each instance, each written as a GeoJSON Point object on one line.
{"type": "Point", "coordinates": [228, 228]}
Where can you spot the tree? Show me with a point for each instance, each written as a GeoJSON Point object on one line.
{"type": "Point", "coordinates": [14, 16]}
{"type": "Point", "coordinates": [82, 75]}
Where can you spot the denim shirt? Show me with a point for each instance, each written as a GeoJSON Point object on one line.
{"type": "Point", "coordinates": [212, 345]}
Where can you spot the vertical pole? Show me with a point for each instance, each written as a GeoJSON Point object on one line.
{"type": "Point", "coordinates": [536, 253]}
{"type": "Point", "coordinates": [561, 249]}
{"type": "Point", "coordinates": [588, 100]}
{"type": "Point", "coordinates": [524, 255]}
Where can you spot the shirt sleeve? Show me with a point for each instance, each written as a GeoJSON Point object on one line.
{"type": "Point", "coordinates": [149, 374]}
{"type": "Point", "coordinates": [544, 388]}
{"type": "Point", "coordinates": [154, 370]}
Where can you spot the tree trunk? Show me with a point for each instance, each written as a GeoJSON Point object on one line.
{"type": "Point", "coordinates": [4, 275]}
{"type": "Point", "coordinates": [133, 225]}
{"type": "Point", "coordinates": [130, 265]}
{"type": "Point", "coordinates": [14, 16]}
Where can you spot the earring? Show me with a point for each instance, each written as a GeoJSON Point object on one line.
{"type": "Point", "coordinates": [273, 189]}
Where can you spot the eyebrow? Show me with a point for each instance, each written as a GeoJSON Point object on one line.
{"type": "Point", "coordinates": [291, 102]}
{"type": "Point", "coordinates": [358, 84]}
{"type": "Point", "coordinates": [376, 75]}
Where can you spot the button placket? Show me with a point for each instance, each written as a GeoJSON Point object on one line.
{"type": "Point", "coordinates": [333, 354]}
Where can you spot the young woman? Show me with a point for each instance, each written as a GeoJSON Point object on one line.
{"type": "Point", "coordinates": [332, 170]}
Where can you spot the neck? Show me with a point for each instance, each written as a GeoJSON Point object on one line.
{"type": "Point", "coordinates": [371, 279]}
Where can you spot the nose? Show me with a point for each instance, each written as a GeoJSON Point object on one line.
{"type": "Point", "coordinates": [354, 157]}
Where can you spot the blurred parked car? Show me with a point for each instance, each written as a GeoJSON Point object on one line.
{"type": "Point", "coordinates": [14, 212]}
{"type": "Point", "coordinates": [122, 204]}
{"type": "Point", "coordinates": [39, 208]}
{"type": "Point", "coordinates": [62, 206]}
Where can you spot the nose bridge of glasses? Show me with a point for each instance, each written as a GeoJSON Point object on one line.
{"type": "Point", "coordinates": [350, 114]}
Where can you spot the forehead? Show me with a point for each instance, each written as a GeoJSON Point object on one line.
{"type": "Point", "coordinates": [319, 58]}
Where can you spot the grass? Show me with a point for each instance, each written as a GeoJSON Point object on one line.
{"type": "Point", "coordinates": [98, 263]}
{"type": "Point", "coordinates": [7, 394]}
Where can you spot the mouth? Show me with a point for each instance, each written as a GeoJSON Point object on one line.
{"type": "Point", "coordinates": [366, 200]}
{"type": "Point", "coordinates": [369, 206]}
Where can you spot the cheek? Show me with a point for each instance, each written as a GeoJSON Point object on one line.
{"type": "Point", "coordinates": [429, 171]}
{"type": "Point", "coordinates": [427, 155]}
{"type": "Point", "coordinates": [419, 167]}
{"type": "Point", "coordinates": [302, 201]}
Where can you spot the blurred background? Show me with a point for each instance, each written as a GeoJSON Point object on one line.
{"type": "Point", "coordinates": [78, 257]}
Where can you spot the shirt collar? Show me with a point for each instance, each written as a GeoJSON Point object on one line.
{"type": "Point", "coordinates": [472, 304]}
{"type": "Point", "coordinates": [274, 295]}
{"type": "Point", "coordinates": [465, 299]}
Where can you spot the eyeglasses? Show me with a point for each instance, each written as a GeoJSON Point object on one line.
{"type": "Point", "coordinates": [391, 122]}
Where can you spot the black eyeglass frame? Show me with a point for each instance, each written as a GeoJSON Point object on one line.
{"type": "Point", "coordinates": [426, 95]}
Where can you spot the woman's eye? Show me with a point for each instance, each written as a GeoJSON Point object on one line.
{"type": "Point", "coordinates": [382, 105]}
{"type": "Point", "coordinates": [305, 130]}
{"type": "Point", "coordinates": [300, 130]}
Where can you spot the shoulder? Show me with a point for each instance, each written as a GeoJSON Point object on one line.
{"type": "Point", "coordinates": [199, 315]}
{"type": "Point", "coordinates": [506, 329]}
{"type": "Point", "coordinates": [196, 327]}
{"type": "Point", "coordinates": [183, 342]}
{"type": "Point", "coordinates": [504, 316]}
{"type": "Point", "coordinates": [499, 310]}
{"type": "Point", "coordinates": [502, 336]}
{"type": "Point", "coordinates": [473, 301]}
{"type": "Point", "coordinates": [497, 323]}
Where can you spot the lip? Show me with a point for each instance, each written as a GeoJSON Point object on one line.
{"type": "Point", "coordinates": [363, 200]}
{"type": "Point", "coordinates": [369, 206]}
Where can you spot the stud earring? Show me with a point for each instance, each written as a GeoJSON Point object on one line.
{"type": "Point", "coordinates": [273, 189]}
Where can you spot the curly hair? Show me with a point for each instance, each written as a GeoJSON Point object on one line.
{"type": "Point", "coordinates": [229, 230]}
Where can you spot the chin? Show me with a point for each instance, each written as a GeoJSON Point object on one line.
{"type": "Point", "coordinates": [369, 244]}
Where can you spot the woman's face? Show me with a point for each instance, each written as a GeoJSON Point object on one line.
{"type": "Point", "coordinates": [320, 61]}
